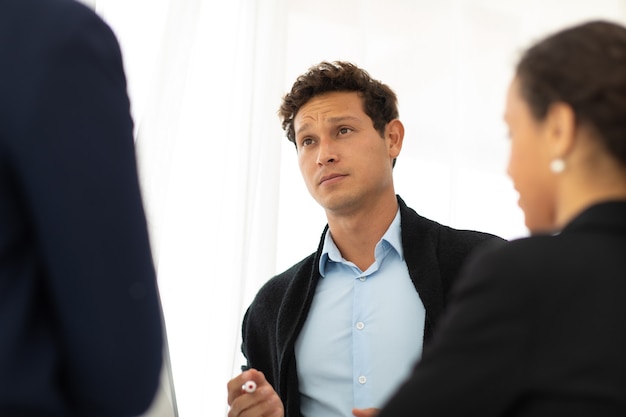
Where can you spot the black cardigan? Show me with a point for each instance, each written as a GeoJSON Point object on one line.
{"type": "Point", "coordinates": [434, 254]}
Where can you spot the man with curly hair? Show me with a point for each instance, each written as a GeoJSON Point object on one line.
{"type": "Point", "coordinates": [335, 334]}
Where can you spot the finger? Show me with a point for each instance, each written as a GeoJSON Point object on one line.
{"type": "Point", "coordinates": [268, 404]}
{"type": "Point", "coordinates": [365, 412]}
{"type": "Point", "coordinates": [234, 385]}
{"type": "Point", "coordinates": [263, 402]}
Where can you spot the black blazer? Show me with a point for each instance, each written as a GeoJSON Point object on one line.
{"type": "Point", "coordinates": [535, 328]}
{"type": "Point", "coordinates": [80, 327]}
{"type": "Point", "coordinates": [434, 254]}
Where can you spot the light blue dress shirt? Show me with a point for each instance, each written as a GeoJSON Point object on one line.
{"type": "Point", "coordinates": [364, 331]}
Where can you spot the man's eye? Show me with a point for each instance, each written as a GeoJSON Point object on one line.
{"type": "Point", "coordinates": [306, 141]}
{"type": "Point", "coordinates": [344, 130]}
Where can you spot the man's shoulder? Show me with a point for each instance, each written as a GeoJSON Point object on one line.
{"type": "Point", "coordinates": [41, 33]}
{"type": "Point", "coordinates": [425, 225]}
{"type": "Point", "coordinates": [278, 284]}
{"type": "Point", "coordinates": [297, 268]}
{"type": "Point", "coordinates": [416, 226]}
{"type": "Point", "coordinates": [44, 18]}
{"type": "Point", "coordinates": [468, 238]}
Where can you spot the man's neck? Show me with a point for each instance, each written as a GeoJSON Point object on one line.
{"type": "Point", "coordinates": [357, 234]}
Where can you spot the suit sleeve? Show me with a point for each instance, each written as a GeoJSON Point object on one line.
{"type": "Point", "coordinates": [476, 361]}
{"type": "Point", "coordinates": [78, 174]}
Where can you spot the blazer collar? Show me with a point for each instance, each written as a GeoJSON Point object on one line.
{"type": "Point", "coordinates": [609, 216]}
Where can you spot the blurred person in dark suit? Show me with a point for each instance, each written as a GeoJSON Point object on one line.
{"type": "Point", "coordinates": [80, 324]}
{"type": "Point", "coordinates": [537, 326]}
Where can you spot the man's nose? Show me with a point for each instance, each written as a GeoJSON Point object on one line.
{"type": "Point", "coordinates": [327, 153]}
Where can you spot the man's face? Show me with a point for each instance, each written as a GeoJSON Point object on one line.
{"type": "Point", "coordinates": [344, 161]}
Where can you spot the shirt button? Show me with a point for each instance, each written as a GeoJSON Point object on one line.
{"type": "Point", "coordinates": [360, 325]}
{"type": "Point", "coordinates": [362, 379]}
{"type": "Point", "coordinates": [362, 279]}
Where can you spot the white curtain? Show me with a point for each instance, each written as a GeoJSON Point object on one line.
{"type": "Point", "coordinates": [225, 203]}
{"type": "Point", "coordinates": [205, 79]}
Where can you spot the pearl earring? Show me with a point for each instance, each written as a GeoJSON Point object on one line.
{"type": "Point", "coordinates": [557, 165]}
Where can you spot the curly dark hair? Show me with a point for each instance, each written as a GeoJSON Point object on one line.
{"type": "Point", "coordinates": [583, 66]}
{"type": "Point", "coordinates": [379, 101]}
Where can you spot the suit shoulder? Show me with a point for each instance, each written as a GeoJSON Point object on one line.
{"type": "Point", "coordinates": [45, 20]}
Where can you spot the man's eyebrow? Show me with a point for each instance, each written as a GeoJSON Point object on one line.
{"type": "Point", "coordinates": [343, 119]}
{"type": "Point", "coordinates": [302, 127]}
{"type": "Point", "coordinates": [331, 120]}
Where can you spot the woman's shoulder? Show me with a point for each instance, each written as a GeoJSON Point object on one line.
{"type": "Point", "coordinates": [523, 257]}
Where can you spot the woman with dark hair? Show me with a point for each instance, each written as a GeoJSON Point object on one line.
{"type": "Point", "coordinates": [537, 327]}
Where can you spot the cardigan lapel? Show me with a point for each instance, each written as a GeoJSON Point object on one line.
{"type": "Point", "coordinates": [419, 240]}
{"type": "Point", "coordinates": [292, 314]}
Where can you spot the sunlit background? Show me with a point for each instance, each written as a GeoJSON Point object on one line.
{"type": "Point", "coordinates": [226, 205]}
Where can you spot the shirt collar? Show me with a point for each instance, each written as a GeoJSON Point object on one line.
{"type": "Point", "coordinates": [393, 237]}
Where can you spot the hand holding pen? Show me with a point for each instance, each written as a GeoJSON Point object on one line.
{"type": "Point", "coordinates": [251, 395]}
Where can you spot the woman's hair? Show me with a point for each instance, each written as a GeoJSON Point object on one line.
{"type": "Point", "coordinates": [585, 67]}
{"type": "Point", "coordinates": [379, 101]}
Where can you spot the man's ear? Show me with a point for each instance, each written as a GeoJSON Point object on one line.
{"type": "Point", "coordinates": [560, 124]}
{"type": "Point", "coordinates": [394, 133]}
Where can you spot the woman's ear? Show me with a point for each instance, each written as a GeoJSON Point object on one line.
{"type": "Point", "coordinates": [560, 124]}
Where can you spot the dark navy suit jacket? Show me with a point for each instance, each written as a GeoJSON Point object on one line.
{"type": "Point", "coordinates": [80, 327]}
{"type": "Point", "coordinates": [534, 328]}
